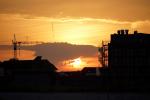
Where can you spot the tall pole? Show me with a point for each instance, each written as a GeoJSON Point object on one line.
{"type": "Point", "coordinates": [15, 47]}
{"type": "Point", "coordinates": [53, 34]}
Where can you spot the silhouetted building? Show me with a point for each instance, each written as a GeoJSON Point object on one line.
{"type": "Point", "coordinates": [129, 60]}
{"type": "Point", "coordinates": [37, 73]}
{"type": "Point", "coordinates": [1, 71]}
{"type": "Point", "coordinates": [91, 71]}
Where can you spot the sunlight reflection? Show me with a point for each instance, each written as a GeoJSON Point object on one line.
{"type": "Point", "coordinates": [79, 63]}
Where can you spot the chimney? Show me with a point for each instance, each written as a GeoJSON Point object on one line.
{"type": "Point", "coordinates": [126, 32]}
{"type": "Point", "coordinates": [122, 32]}
{"type": "Point", "coordinates": [135, 32]}
{"type": "Point", "coordinates": [118, 32]}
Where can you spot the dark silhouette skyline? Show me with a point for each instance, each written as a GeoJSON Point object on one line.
{"type": "Point", "coordinates": [127, 71]}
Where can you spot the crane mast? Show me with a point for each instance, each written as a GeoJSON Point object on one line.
{"type": "Point", "coordinates": [17, 44]}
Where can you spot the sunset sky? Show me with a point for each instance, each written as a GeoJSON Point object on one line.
{"type": "Point", "coordinates": [77, 22]}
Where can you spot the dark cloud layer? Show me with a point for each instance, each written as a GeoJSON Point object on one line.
{"type": "Point", "coordinates": [57, 52]}
{"type": "Point", "coordinates": [113, 9]}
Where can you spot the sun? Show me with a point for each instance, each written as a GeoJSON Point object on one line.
{"type": "Point", "coordinates": [76, 63]}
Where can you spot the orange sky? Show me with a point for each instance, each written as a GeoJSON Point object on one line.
{"type": "Point", "coordinates": [74, 21]}
{"type": "Point", "coordinates": [24, 54]}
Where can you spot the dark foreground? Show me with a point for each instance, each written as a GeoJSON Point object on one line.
{"type": "Point", "coordinates": [73, 96]}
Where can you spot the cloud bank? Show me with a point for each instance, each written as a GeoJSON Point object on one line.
{"type": "Point", "coordinates": [117, 9]}
{"type": "Point", "coordinates": [59, 52]}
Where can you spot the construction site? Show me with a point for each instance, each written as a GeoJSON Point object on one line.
{"type": "Point", "coordinates": [125, 68]}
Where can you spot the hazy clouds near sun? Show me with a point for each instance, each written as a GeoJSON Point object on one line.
{"type": "Point", "coordinates": [57, 52]}
{"type": "Point", "coordinates": [109, 9]}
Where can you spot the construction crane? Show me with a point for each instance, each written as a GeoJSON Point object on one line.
{"type": "Point", "coordinates": [17, 45]}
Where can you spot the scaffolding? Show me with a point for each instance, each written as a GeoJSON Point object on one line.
{"type": "Point", "coordinates": [103, 57]}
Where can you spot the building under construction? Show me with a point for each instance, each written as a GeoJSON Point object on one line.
{"type": "Point", "coordinates": [103, 57]}
{"type": "Point", "coordinates": [129, 60]}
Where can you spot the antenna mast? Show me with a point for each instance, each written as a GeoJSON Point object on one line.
{"type": "Point", "coordinates": [52, 28]}
{"type": "Point", "coordinates": [14, 42]}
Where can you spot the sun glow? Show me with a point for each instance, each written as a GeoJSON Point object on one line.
{"type": "Point", "coordinates": [76, 63]}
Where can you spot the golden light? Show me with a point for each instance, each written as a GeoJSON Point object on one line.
{"type": "Point", "coordinates": [76, 33]}
{"type": "Point", "coordinates": [76, 63]}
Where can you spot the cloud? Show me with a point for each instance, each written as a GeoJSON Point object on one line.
{"type": "Point", "coordinates": [139, 24]}
{"type": "Point", "coordinates": [105, 9]}
{"type": "Point", "coordinates": [70, 19]}
{"type": "Point", "coordinates": [58, 52]}
{"type": "Point", "coordinates": [82, 30]}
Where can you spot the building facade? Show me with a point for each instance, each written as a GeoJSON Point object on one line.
{"type": "Point", "coordinates": [129, 60]}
